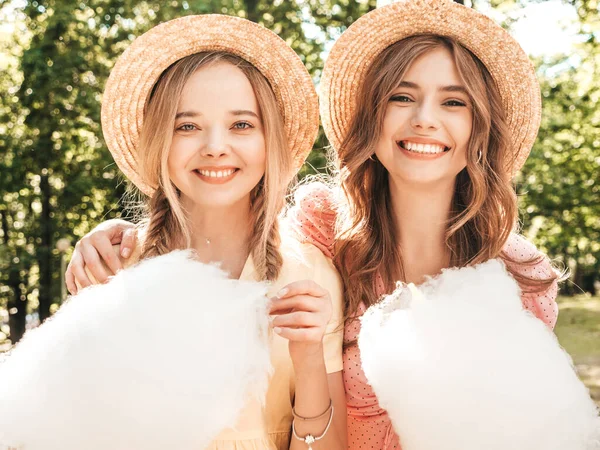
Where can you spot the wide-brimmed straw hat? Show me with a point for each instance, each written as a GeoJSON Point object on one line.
{"type": "Point", "coordinates": [140, 66]}
{"type": "Point", "coordinates": [358, 47]}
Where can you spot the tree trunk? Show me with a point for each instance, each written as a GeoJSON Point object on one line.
{"type": "Point", "coordinates": [44, 250]}
{"type": "Point", "coordinates": [17, 304]}
{"type": "Point", "coordinates": [252, 10]}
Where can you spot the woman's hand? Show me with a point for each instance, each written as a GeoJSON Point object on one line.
{"type": "Point", "coordinates": [300, 313]}
{"type": "Point", "coordinates": [95, 251]}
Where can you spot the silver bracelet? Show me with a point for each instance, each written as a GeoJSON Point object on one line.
{"type": "Point", "coordinates": [309, 439]}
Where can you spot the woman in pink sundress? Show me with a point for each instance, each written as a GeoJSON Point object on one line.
{"type": "Point", "coordinates": [427, 137]}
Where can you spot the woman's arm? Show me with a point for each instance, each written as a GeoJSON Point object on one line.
{"type": "Point", "coordinates": [314, 390]}
{"type": "Point", "coordinates": [301, 313]}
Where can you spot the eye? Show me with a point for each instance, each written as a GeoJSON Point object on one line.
{"type": "Point", "coordinates": [242, 126]}
{"type": "Point", "coordinates": [187, 127]}
{"type": "Point", "coordinates": [454, 103]}
{"type": "Point", "coordinates": [401, 99]}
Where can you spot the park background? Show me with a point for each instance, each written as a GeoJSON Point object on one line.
{"type": "Point", "coordinates": [57, 178]}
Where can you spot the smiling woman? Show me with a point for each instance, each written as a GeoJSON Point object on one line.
{"type": "Point", "coordinates": [212, 129]}
{"type": "Point", "coordinates": [431, 108]}
{"type": "Point", "coordinates": [223, 132]}
{"type": "Point", "coordinates": [428, 117]}
{"type": "Point", "coordinates": [231, 142]}
{"type": "Point", "coordinates": [219, 147]}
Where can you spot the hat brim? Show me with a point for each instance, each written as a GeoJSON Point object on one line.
{"type": "Point", "coordinates": [140, 66]}
{"type": "Point", "coordinates": [358, 47]}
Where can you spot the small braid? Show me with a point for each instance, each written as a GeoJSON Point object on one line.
{"type": "Point", "coordinates": [159, 227]}
{"type": "Point", "coordinates": [273, 258]}
{"type": "Point", "coordinates": [265, 242]}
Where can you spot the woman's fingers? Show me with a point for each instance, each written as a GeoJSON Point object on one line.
{"type": "Point", "coordinates": [303, 287]}
{"type": "Point", "coordinates": [297, 319]}
{"type": "Point", "coordinates": [103, 246]}
{"type": "Point", "coordinates": [70, 281]}
{"type": "Point", "coordinates": [91, 260]}
{"type": "Point", "coordinates": [128, 243]}
{"type": "Point", "coordinates": [301, 311]}
{"type": "Point", "coordinates": [297, 303]}
{"type": "Point", "coordinates": [300, 334]}
{"type": "Point", "coordinates": [77, 270]}
{"type": "Point", "coordinates": [95, 253]}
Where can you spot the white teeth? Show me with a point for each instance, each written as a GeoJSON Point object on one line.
{"type": "Point", "coordinates": [216, 174]}
{"type": "Point", "coordinates": [422, 148]}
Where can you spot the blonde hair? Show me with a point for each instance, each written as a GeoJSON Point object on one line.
{"type": "Point", "coordinates": [166, 225]}
{"type": "Point", "coordinates": [484, 208]}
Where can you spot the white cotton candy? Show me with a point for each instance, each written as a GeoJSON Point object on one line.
{"type": "Point", "coordinates": [164, 356]}
{"type": "Point", "coordinates": [459, 365]}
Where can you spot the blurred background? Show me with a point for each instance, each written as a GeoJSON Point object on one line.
{"type": "Point", "coordinates": [58, 181]}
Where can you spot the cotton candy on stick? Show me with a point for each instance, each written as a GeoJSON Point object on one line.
{"type": "Point", "coordinates": [163, 356]}
{"type": "Point", "coordinates": [460, 365]}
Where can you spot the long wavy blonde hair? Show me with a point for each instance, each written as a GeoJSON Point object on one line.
{"type": "Point", "coordinates": [484, 208]}
{"type": "Point", "coordinates": [166, 226]}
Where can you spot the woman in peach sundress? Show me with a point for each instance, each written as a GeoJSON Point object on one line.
{"type": "Point", "coordinates": [430, 120]}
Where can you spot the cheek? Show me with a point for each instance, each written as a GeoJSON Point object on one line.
{"type": "Point", "coordinates": [395, 118]}
{"type": "Point", "coordinates": [462, 126]}
{"type": "Point", "coordinates": [178, 158]}
{"type": "Point", "coordinates": [255, 154]}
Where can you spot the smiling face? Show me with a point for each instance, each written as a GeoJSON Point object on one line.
{"type": "Point", "coordinates": [217, 154]}
{"type": "Point", "coordinates": [427, 123]}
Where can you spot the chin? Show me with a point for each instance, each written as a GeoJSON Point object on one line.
{"type": "Point", "coordinates": [421, 179]}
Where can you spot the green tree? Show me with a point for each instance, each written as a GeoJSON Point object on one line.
{"type": "Point", "coordinates": [561, 201]}
{"type": "Point", "coordinates": [57, 179]}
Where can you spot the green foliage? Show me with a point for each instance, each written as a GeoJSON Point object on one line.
{"type": "Point", "coordinates": [560, 181]}
{"type": "Point", "coordinates": [57, 179]}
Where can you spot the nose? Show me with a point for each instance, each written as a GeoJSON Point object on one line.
{"type": "Point", "coordinates": [216, 144]}
{"type": "Point", "coordinates": [425, 117]}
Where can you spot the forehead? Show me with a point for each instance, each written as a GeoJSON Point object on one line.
{"type": "Point", "coordinates": [217, 86]}
{"type": "Point", "coordinates": [436, 67]}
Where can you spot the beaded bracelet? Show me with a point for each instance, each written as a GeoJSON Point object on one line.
{"type": "Point", "coordinates": [309, 439]}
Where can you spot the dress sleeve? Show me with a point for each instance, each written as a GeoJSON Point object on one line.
{"type": "Point", "coordinates": [312, 216]}
{"type": "Point", "coordinates": [542, 304]}
{"type": "Point", "coordinates": [327, 276]}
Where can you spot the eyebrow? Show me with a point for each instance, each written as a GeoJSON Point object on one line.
{"type": "Point", "coordinates": [179, 115]}
{"type": "Point", "coordinates": [237, 112]}
{"type": "Point", "coordinates": [244, 112]}
{"type": "Point", "coordinates": [449, 88]}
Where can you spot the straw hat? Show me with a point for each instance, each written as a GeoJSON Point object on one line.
{"type": "Point", "coordinates": [364, 40]}
{"type": "Point", "coordinates": [139, 67]}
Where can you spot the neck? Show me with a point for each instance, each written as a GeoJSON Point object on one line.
{"type": "Point", "coordinates": [421, 213]}
{"type": "Point", "coordinates": [222, 234]}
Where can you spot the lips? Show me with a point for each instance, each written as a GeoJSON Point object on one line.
{"type": "Point", "coordinates": [424, 148]}
{"type": "Point", "coordinates": [216, 173]}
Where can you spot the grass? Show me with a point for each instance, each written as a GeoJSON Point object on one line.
{"type": "Point", "coordinates": [578, 331]}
